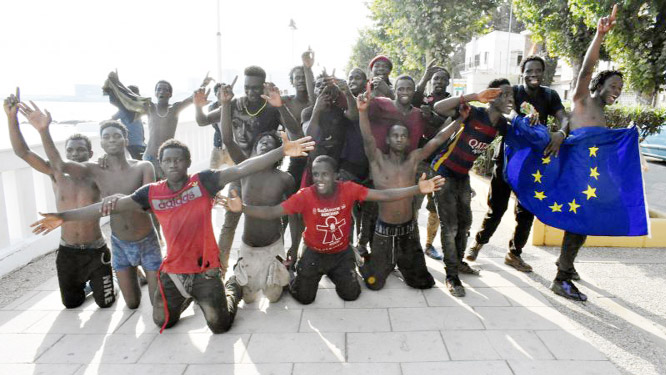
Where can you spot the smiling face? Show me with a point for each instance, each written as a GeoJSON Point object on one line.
{"type": "Point", "coordinates": [113, 141]}
{"type": "Point", "coordinates": [77, 150]}
{"type": "Point", "coordinates": [611, 89]}
{"type": "Point", "coordinates": [323, 178]}
{"type": "Point", "coordinates": [298, 80]}
{"type": "Point", "coordinates": [504, 102]}
{"type": "Point", "coordinates": [404, 91]}
{"type": "Point", "coordinates": [254, 87]}
{"type": "Point", "coordinates": [381, 68]}
{"type": "Point", "coordinates": [533, 74]}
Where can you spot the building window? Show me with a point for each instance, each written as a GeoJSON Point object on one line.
{"type": "Point", "coordinates": [477, 59]}
{"type": "Point", "coordinates": [566, 94]}
{"type": "Point", "coordinates": [519, 59]}
{"type": "Point", "coordinates": [485, 58]}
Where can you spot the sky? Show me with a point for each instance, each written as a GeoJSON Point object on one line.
{"type": "Point", "coordinates": [49, 46]}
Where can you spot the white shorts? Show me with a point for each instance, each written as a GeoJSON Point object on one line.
{"type": "Point", "coordinates": [258, 268]}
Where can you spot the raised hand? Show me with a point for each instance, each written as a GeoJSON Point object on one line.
{"type": "Point", "coordinates": [38, 119]}
{"type": "Point", "coordinates": [299, 147]}
{"type": "Point", "coordinates": [200, 97]}
{"type": "Point", "coordinates": [308, 58]}
{"type": "Point", "coordinates": [11, 104]}
{"type": "Point", "coordinates": [103, 161]}
{"type": "Point", "coordinates": [206, 80]}
{"type": "Point", "coordinates": [607, 23]}
{"type": "Point", "coordinates": [272, 95]}
{"type": "Point", "coordinates": [430, 71]}
{"type": "Point", "coordinates": [431, 185]}
{"type": "Point", "coordinates": [426, 111]}
{"type": "Point", "coordinates": [363, 100]}
{"type": "Point", "coordinates": [47, 224]}
{"type": "Point", "coordinates": [489, 94]}
{"type": "Point", "coordinates": [226, 92]}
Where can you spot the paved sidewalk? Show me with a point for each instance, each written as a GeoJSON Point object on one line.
{"type": "Point", "coordinates": [509, 323]}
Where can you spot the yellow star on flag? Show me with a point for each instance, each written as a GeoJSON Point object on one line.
{"type": "Point", "coordinates": [537, 176]}
{"type": "Point", "coordinates": [573, 206]}
{"type": "Point", "coordinates": [556, 207]}
{"type": "Point", "coordinates": [590, 192]}
{"type": "Point", "coordinates": [593, 150]}
{"type": "Point", "coordinates": [594, 173]}
{"type": "Point", "coordinates": [545, 160]}
{"type": "Point", "coordinates": [539, 195]}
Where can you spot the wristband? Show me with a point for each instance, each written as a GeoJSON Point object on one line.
{"type": "Point", "coordinates": [563, 132]}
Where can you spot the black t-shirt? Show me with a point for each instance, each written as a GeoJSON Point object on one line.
{"type": "Point", "coordinates": [268, 119]}
{"type": "Point", "coordinates": [207, 178]}
{"type": "Point", "coordinates": [333, 127]}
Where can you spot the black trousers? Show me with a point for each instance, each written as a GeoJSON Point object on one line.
{"type": "Point", "coordinates": [455, 217]}
{"type": "Point", "coordinates": [77, 266]}
{"type": "Point", "coordinates": [217, 303]}
{"type": "Point", "coordinates": [571, 243]}
{"type": "Point", "coordinates": [402, 249]}
{"type": "Point", "coordinates": [339, 267]}
{"type": "Point", "coordinates": [498, 200]}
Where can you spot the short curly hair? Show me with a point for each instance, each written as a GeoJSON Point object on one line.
{"type": "Point", "coordinates": [532, 58]}
{"type": "Point", "coordinates": [113, 124]}
{"type": "Point", "coordinates": [602, 77]}
{"type": "Point", "coordinates": [255, 71]}
{"type": "Point", "coordinates": [174, 143]}
{"type": "Point", "coordinates": [80, 137]}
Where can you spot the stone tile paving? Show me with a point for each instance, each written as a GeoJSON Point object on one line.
{"type": "Point", "coordinates": [505, 325]}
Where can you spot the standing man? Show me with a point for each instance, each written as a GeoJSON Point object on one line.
{"type": "Point", "coordinates": [589, 100]}
{"type": "Point", "coordinates": [326, 208]}
{"type": "Point", "coordinates": [191, 269]}
{"type": "Point", "coordinates": [83, 255]}
{"type": "Point", "coordinates": [132, 121]}
{"type": "Point", "coordinates": [454, 200]}
{"type": "Point", "coordinates": [547, 102]}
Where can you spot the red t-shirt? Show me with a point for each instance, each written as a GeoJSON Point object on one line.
{"type": "Point", "coordinates": [185, 216]}
{"type": "Point", "coordinates": [383, 114]}
{"type": "Point", "coordinates": [327, 220]}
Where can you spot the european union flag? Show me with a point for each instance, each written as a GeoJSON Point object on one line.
{"type": "Point", "coordinates": [594, 186]}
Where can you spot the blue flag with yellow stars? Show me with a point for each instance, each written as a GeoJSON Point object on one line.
{"type": "Point", "coordinates": [594, 186]}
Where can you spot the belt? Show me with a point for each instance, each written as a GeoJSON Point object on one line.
{"type": "Point", "coordinates": [97, 244]}
{"type": "Point", "coordinates": [386, 229]}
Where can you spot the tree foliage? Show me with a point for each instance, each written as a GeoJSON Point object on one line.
{"type": "Point", "coordinates": [411, 31]}
{"type": "Point", "coordinates": [638, 41]}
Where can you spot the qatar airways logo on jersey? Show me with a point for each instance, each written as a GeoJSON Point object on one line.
{"type": "Point", "coordinates": [477, 146]}
{"type": "Point", "coordinates": [186, 196]}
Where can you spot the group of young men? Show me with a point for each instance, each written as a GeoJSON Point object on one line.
{"type": "Point", "coordinates": [362, 154]}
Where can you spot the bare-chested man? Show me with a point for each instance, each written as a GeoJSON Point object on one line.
{"type": "Point", "coordinates": [302, 79]}
{"type": "Point", "coordinates": [258, 269]}
{"type": "Point", "coordinates": [589, 100]}
{"type": "Point", "coordinates": [83, 255]}
{"type": "Point", "coordinates": [162, 117]}
{"type": "Point", "coordinates": [395, 239]}
{"type": "Point", "coordinates": [133, 238]}
{"type": "Point", "coordinates": [260, 110]}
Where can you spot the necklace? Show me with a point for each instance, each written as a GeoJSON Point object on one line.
{"type": "Point", "coordinates": [157, 112]}
{"type": "Point", "coordinates": [256, 113]}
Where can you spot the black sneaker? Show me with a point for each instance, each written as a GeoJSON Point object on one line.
{"type": "Point", "coordinates": [566, 288]}
{"type": "Point", "coordinates": [473, 252]}
{"type": "Point", "coordinates": [466, 269]}
{"type": "Point", "coordinates": [455, 287]}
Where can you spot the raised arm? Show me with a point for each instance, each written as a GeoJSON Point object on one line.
{"type": "Point", "coordinates": [446, 131]}
{"type": "Point", "coordinates": [447, 107]}
{"type": "Point", "coordinates": [308, 62]}
{"type": "Point", "coordinates": [272, 96]}
{"type": "Point", "coordinates": [200, 99]}
{"type": "Point", "coordinates": [179, 106]}
{"type": "Point", "coordinates": [431, 69]}
{"type": "Point", "coordinates": [369, 143]}
{"type": "Point", "coordinates": [352, 111]}
{"type": "Point", "coordinates": [52, 221]}
{"type": "Point", "coordinates": [424, 187]}
{"type": "Point", "coordinates": [605, 24]}
{"type": "Point", "coordinates": [296, 148]}
{"type": "Point", "coordinates": [224, 96]}
{"type": "Point", "coordinates": [19, 145]}
{"type": "Point", "coordinates": [41, 121]}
